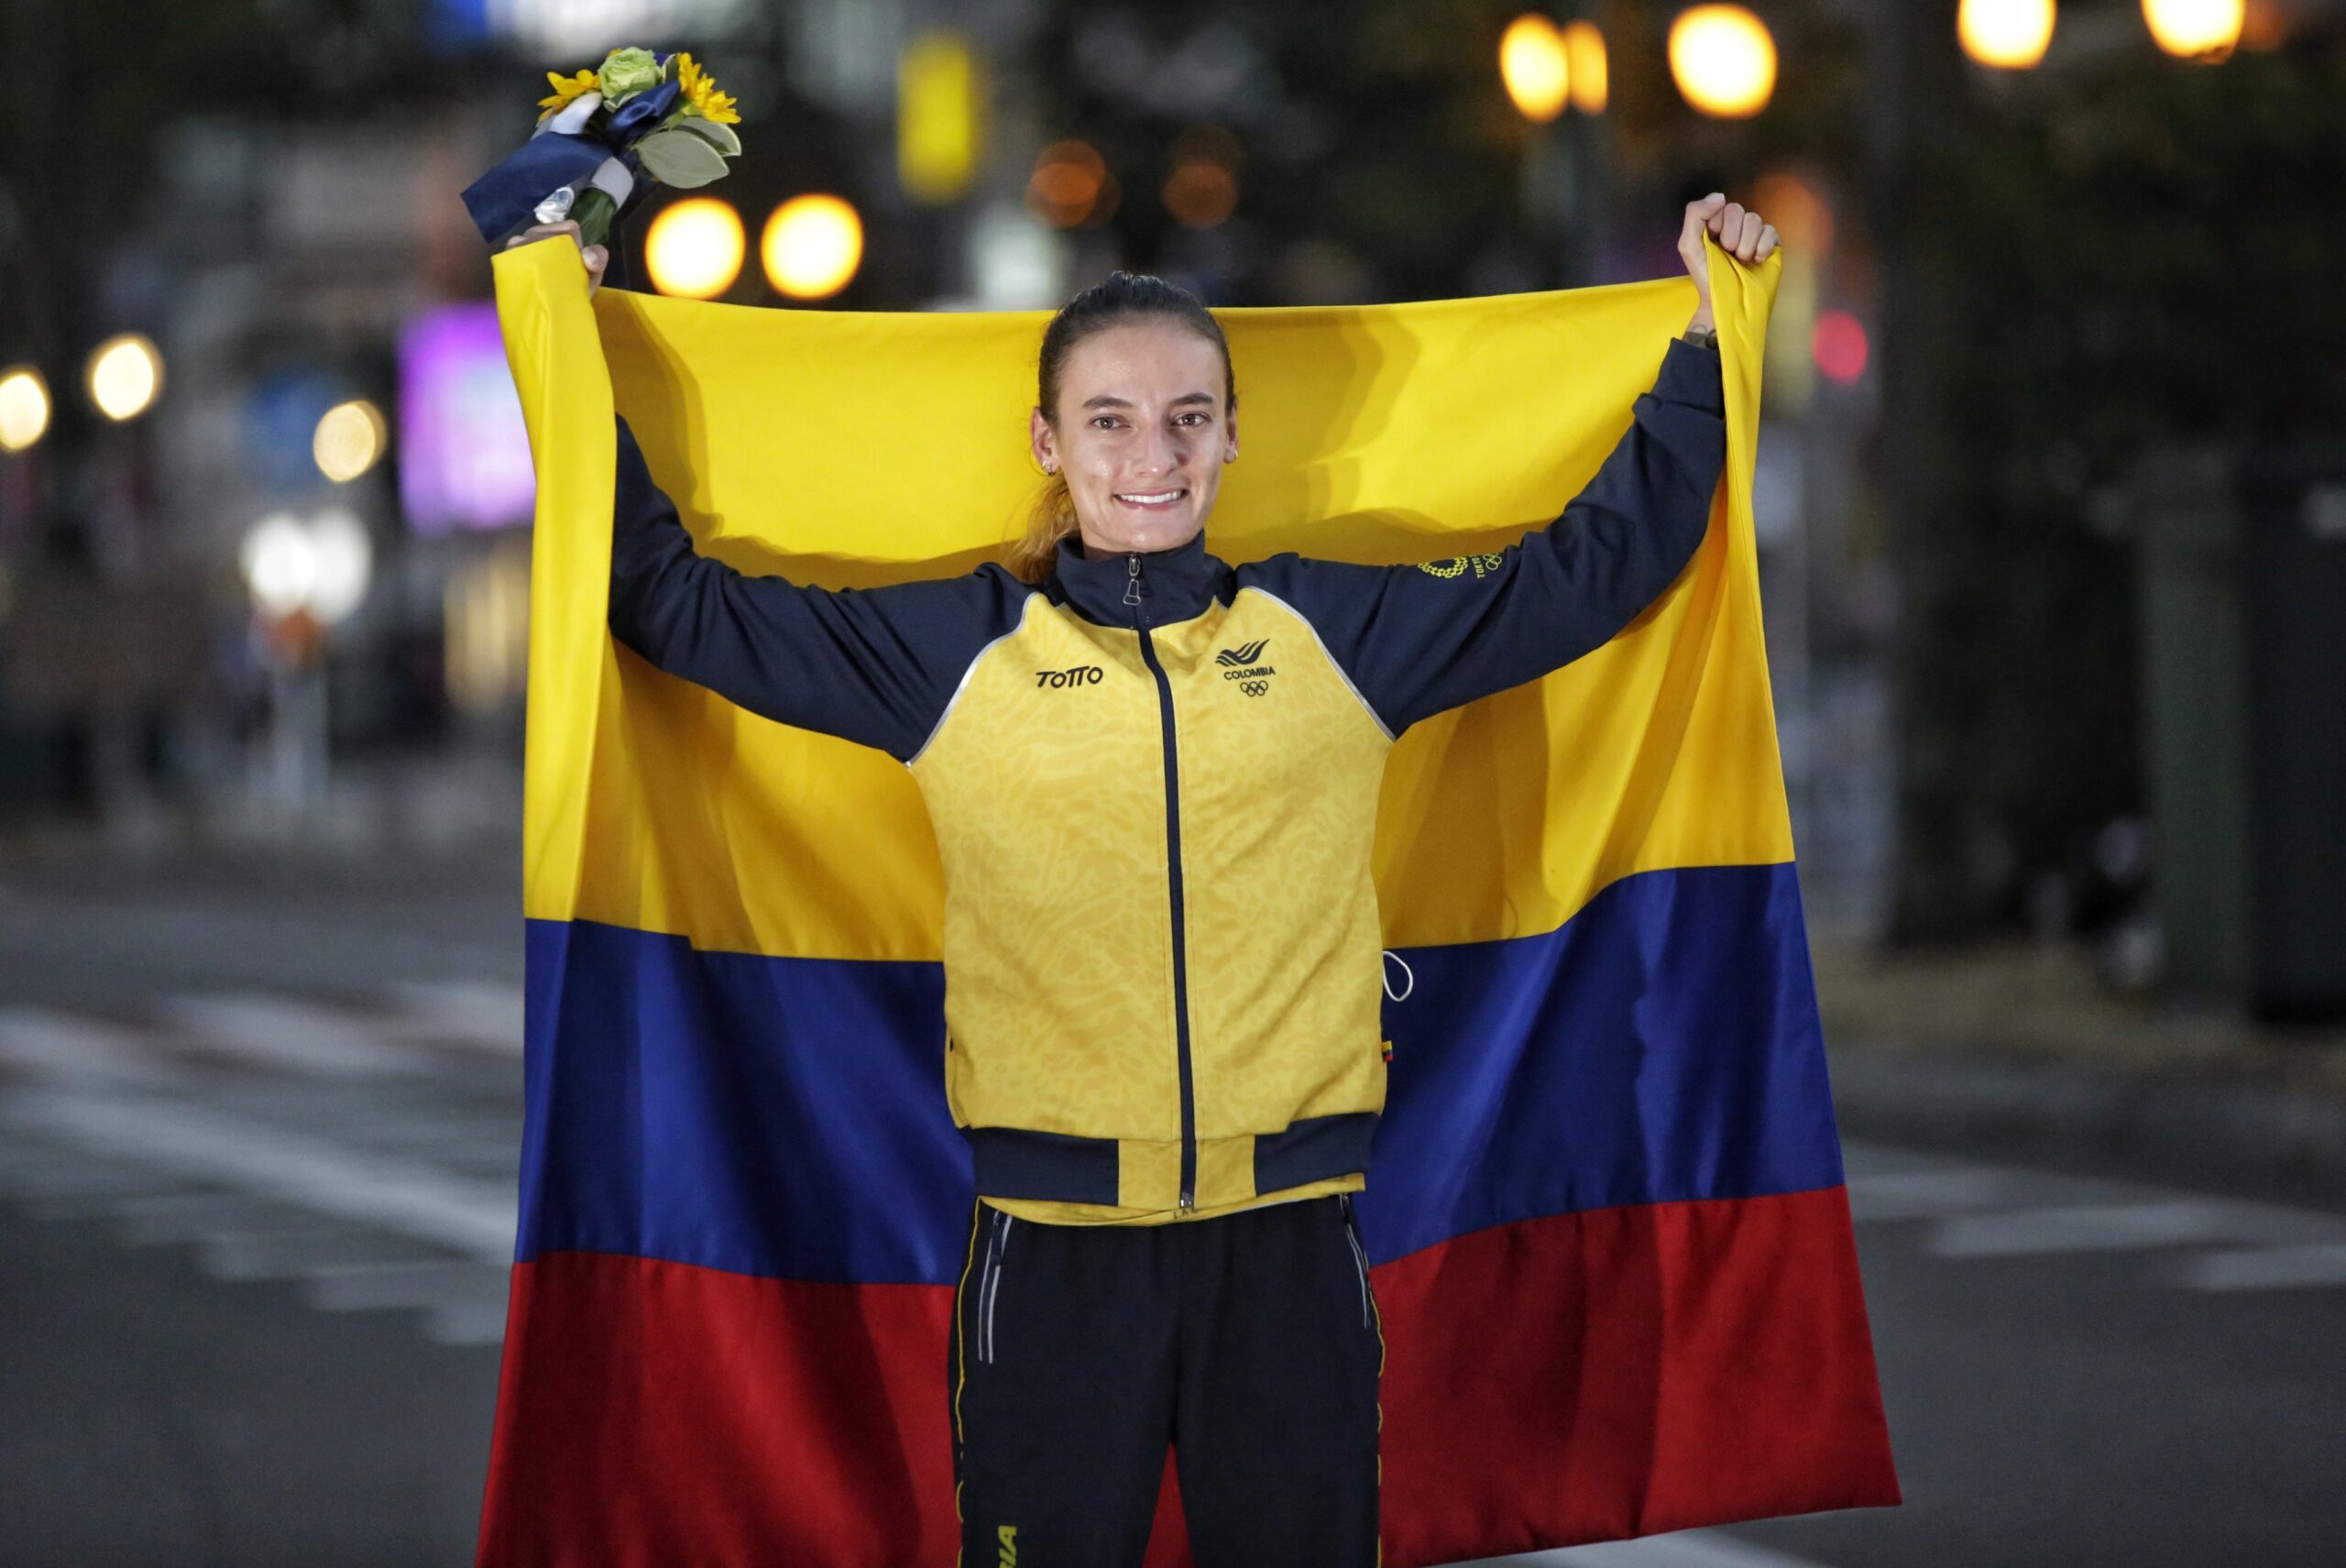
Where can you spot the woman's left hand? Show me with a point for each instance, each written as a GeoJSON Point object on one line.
{"type": "Point", "coordinates": [1742, 233]}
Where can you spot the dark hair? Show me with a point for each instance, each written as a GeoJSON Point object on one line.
{"type": "Point", "coordinates": [1116, 300]}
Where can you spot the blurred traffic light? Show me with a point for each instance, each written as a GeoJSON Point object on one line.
{"type": "Point", "coordinates": [812, 246]}
{"type": "Point", "coordinates": [694, 248]}
{"type": "Point", "coordinates": [1724, 60]}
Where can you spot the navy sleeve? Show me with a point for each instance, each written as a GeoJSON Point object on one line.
{"type": "Point", "coordinates": [1416, 640]}
{"type": "Point", "coordinates": [874, 666]}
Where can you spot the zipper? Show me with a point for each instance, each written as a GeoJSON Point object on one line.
{"type": "Point", "coordinates": [1134, 595]}
{"type": "Point", "coordinates": [990, 1281]}
{"type": "Point", "coordinates": [1360, 1253]}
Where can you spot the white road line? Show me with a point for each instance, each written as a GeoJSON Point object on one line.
{"type": "Point", "coordinates": [473, 1014]}
{"type": "Point", "coordinates": [466, 1301]}
{"type": "Point", "coordinates": [1928, 1194]}
{"type": "Point", "coordinates": [2267, 1268]}
{"type": "Point", "coordinates": [1687, 1549]}
{"type": "Point", "coordinates": [473, 1218]}
{"type": "Point", "coordinates": [2090, 1227]}
{"type": "Point", "coordinates": [287, 1034]}
{"type": "Point", "coordinates": [71, 1046]}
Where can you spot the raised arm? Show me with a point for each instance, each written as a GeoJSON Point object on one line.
{"type": "Point", "coordinates": [874, 666]}
{"type": "Point", "coordinates": [1417, 640]}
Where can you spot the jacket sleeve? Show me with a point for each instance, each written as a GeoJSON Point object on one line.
{"type": "Point", "coordinates": [879, 666]}
{"type": "Point", "coordinates": [1416, 640]}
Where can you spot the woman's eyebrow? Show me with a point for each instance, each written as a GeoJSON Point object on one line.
{"type": "Point", "coordinates": [1110, 400]}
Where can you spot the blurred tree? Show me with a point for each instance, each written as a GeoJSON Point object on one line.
{"type": "Point", "coordinates": [2099, 264]}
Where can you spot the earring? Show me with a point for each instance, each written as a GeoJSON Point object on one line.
{"type": "Point", "coordinates": [1050, 468]}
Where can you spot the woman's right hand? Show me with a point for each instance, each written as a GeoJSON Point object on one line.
{"type": "Point", "coordinates": [594, 256]}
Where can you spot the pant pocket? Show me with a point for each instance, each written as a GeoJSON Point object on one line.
{"type": "Point", "coordinates": [998, 1226]}
{"type": "Point", "coordinates": [1360, 1257]}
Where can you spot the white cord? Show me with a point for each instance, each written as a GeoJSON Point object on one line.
{"type": "Point", "coordinates": [1403, 994]}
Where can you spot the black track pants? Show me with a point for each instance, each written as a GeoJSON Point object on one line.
{"type": "Point", "coordinates": [1249, 1342]}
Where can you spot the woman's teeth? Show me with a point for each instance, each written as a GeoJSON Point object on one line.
{"type": "Point", "coordinates": [1155, 498]}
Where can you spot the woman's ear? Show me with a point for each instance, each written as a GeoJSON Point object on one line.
{"type": "Point", "coordinates": [1230, 436]}
{"type": "Point", "coordinates": [1044, 440]}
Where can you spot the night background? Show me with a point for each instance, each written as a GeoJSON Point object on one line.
{"type": "Point", "coordinates": [2052, 505]}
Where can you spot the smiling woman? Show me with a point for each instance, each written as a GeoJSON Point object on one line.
{"type": "Point", "coordinates": [1153, 778]}
{"type": "Point", "coordinates": [1135, 414]}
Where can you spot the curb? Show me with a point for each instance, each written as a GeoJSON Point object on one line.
{"type": "Point", "coordinates": [2239, 1136]}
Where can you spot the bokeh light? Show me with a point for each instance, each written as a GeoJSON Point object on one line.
{"type": "Point", "coordinates": [2195, 29]}
{"type": "Point", "coordinates": [694, 248]}
{"type": "Point", "coordinates": [1724, 60]}
{"type": "Point", "coordinates": [279, 563]}
{"type": "Point", "coordinates": [1071, 186]}
{"type": "Point", "coordinates": [938, 110]}
{"type": "Point", "coordinates": [1839, 347]}
{"type": "Point", "coordinates": [126, 376]}
{"type": "Point", "coordinates": [349, 440]}
{"type": "Point", "coordinates": [1535, 67]}
{"type": "Point", "coordinates": [812, 246]}
{"type": "Point", "coordinates": [1804, 218]}
{"type": "Point", "coordinates": [23, 408]}
{"type": "Point", "coordinates": [2010, 35]}
{"type": "Point", "coordinates": [1589, 71]}
{"type": "Point", "coordinates": [341, 559]}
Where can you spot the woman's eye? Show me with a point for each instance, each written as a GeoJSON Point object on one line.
{"type": "Point", "coordinates": [1102, 422]}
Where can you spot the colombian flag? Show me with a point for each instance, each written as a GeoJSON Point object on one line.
{"type": "Point", "coordinates": [1609, 1232]}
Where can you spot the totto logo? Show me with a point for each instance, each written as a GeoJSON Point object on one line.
{"type": "Point", "coordinates": [1080, 675]}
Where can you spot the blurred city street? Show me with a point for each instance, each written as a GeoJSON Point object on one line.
{"type": "Point", "coordinates": [257, 1199]}
{"type": "Point", "coordinates": [2042, 483]}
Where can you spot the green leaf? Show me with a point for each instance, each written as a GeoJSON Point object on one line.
{"type": "Point", "coordinates": [680, 158]}
{"type": "Point", "coordinates": [722, 137]}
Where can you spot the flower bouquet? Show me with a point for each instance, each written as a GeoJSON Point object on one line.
{"type": "Point", "coordinates": [656, 115]}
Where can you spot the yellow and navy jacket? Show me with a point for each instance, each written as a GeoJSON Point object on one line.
{"type": "Point", "coordinates": [1154, 782]}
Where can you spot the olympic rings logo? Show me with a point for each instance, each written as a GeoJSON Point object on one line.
{"type": "Point", "coordinates": [1253, 688]}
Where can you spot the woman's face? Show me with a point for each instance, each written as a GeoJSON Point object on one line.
{"type": "Point", "coordinates": [1142, 430]}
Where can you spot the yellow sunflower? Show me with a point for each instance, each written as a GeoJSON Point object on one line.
{"type": "Point", "coordinates": [701, 92]}
{"type": "Point", "coordinates": [566, 87]}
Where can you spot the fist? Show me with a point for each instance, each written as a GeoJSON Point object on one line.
{"type": "Point", "coordinates": [594, 256]}
{"type": "Point", "coordinates": [1740, 233]}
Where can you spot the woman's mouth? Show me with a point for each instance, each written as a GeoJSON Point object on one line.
{"type": "Point", "coordinates": [1151, 500]}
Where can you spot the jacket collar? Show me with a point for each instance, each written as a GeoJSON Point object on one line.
{"type": "Point", "coordinates": [1172, 584]}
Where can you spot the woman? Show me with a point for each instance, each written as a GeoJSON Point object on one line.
{"type": "Point", "coordinates": [1154, 781]}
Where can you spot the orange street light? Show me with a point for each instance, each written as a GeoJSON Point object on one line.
{"type": "Point", "coordinates": [694, 248]}
{"type": "Point", "coordinates": [1584, 58]}
{"type": "Point", "coordinates": [812, 246]}
{"type": "Point", "coordinates": [1536, 67]}
{"type": "Point", "coordinates": [1724, 60]}
{"type": "Point", "coordinates": [2195, 29]}
{"type": "Point", "coordinates": [2010, 35]}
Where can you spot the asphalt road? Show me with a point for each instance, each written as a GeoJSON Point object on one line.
{"type": "Point", "coordinates": [256, 1146]}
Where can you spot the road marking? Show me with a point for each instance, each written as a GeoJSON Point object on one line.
{"type": "Point", "coordinates": [474, 1219]}
{"type": "Point", "coordinates": [472, 1013]}
{"type": "Point", "coordinates": [71, 1046]}
{"type": "Point", "coordinates": [287, 1034]}
{"type": "Point", "coordinates": [465, 1302]}
{"type": "Point", "coordinates": [2267, 1268]}
{"type": "Point", "coordinates": [2085, 1227]}
{"type": "Point", "coordinates": [1687, 1549]}
{"type": "Point", "coordinates": [1928, 1195]}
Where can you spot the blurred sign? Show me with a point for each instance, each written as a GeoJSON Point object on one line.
{"type": "Point", "coordinates": [280, 423]}
{"type": "Point", "coordinates": [464, 451]}
{"type": "Point", "coordinates": [579, 26]}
